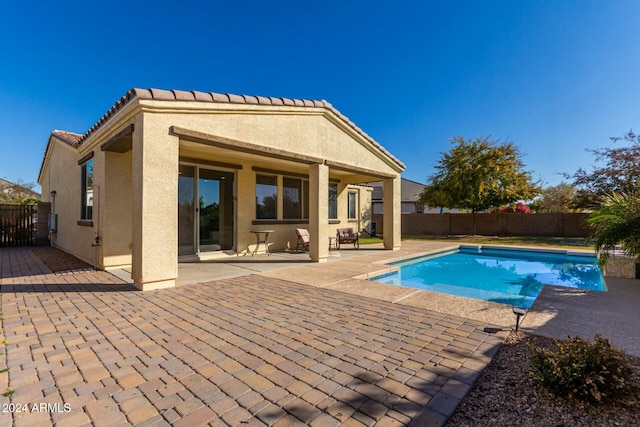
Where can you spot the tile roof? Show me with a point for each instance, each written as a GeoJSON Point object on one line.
{"type": "Point", "coordinates": [180, 95]}
{"type": "Point", "coordinates": [69, 138]}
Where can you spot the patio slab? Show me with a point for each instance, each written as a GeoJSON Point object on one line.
{"type": "Point", "coordinates": [561, 312]}
{"type": "Point", "coordinates": [250, 350]}
{"type": "Point", "coordinates": [262, 350]}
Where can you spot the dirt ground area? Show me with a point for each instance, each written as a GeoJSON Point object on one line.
{"type": "Point", "coordinates": [58, 260]}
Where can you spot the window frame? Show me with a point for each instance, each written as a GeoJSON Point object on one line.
{"type": "Point", "coordinates": [277, 188]}
{"type": "Point", "coordinates": [355, 205]}
{"type": "Point", "coordinates": [333, 202]}
{"type": "Point", "coordinates": [86, 178]}
{"type": "Point", "coordinates": [303, 202]}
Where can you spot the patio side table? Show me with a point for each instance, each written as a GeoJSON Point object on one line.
{"type": "Point", "coordinates": [264, 240]}
{"type": "Point", "coordinates": [332, 242]}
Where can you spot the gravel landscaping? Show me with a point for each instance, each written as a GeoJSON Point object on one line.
{"type": "Point", "coordinates": [505, 395]}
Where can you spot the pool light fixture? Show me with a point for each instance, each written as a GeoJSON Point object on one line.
{"type": "Point", "coordinates": [519, 312]}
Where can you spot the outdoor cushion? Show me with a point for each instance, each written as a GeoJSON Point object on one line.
{"type": "Point", "coordinates": [303, 238]}
{"type": "Point", "coordinates": [347, 235]}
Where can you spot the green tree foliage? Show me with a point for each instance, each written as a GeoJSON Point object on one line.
{"type": "Point", "coordinates": [616, 221]}
{"type": "Point", "coordinates": [619, 171]}
{"type": "Point", "coordinates": [557, 198]}
{"type": "Point", "coordinates": [18, 193]}
{"type": "Point", "coordinates": [477, 175]}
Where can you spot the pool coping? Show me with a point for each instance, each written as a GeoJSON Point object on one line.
{"type": "Point", "coordinates": [476, 309]}
{"type": "Point", "coordinates": [350, 277]}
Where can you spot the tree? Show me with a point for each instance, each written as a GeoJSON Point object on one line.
{"type": "Point", "coordinates": [477, 175]}
{"type": "Point", "coordinates": [616, 222]}
{"type": "Point", "coordinates": [619, 171]}
{"type": "Point", "coordinates": [18, 193]}
{"type": "Point", "coordinates": [557, 198]}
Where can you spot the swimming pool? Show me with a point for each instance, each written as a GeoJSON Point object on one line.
{"type": "Point", "coordinates": [502, 275]}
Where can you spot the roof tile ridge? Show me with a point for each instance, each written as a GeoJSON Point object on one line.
{"type": "Point", "coordinates": [125, 99]}
{"type": "Point", "coordinates": [180, 95]}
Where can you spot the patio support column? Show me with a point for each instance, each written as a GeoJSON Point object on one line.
{"type": "Point", "coordinates": [318, 212]}
{"type": "Point", "coordinates": [117, 208]}
{"type": "Point", "coordinates": [392, 213]}
{"type": "Point", "coordinates": [155, 205]}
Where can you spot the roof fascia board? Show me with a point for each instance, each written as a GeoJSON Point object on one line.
{"type": "Point", "coordinates": [359, 170]}
{"type": "Point", "coordinates": [120, 120]}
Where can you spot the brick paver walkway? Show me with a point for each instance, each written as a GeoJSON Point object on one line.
{"type": "Point", "coordinates": [246, 351]}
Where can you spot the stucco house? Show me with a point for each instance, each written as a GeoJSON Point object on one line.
{"type": "Point", "coordinates": [410, 192]}
{"type": "Point", "coordinates": [168, 174]}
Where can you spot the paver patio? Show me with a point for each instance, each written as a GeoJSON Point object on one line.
{"type": "Point", "coordinates": [252, 350]}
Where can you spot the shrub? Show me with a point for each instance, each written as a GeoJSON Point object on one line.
{"type": "Point", "coordinates": [591, 372]}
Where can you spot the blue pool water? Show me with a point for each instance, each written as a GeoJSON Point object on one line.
{"type": "Point", "coordinates": [506, 276]}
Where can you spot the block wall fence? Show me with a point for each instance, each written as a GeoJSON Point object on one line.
{"type": "Point", "coordinates": [492, 224]}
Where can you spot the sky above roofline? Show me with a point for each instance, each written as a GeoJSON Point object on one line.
{"type": "Point", "coordinates": [554, 77]}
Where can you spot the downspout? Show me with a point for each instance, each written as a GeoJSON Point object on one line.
{"type": "Point", "coordinates": [97, 238]}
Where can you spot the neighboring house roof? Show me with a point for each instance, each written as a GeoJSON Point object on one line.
{"type": "Point", "coordinates": [409, 190]}
{"type": "Point", "coordinates": [213, 97]}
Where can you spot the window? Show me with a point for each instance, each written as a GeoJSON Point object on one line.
{"type": "Point", "coordinates": [87, 191]}
{"type": "Point", "coordinates": [291, 198]}
{"type": "Point", "coordinates": [333, 201]}
{"type": "Point", "coordinates": [352, 206]}
{"type": "Point", "coordinates": [407, 207]}
{"type": "Point", "coordinates": [295, 197]}
{"type": "Point", "coordinates": [266, 197]}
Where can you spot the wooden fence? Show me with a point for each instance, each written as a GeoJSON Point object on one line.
{"type": "Point", "coordinates": [492, 224]}
{"type": "Point", "coordinates": [17, 225]}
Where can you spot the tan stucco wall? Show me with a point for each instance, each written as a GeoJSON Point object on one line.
{"type": "Point", "coordinates": [155, 204]}
{"type": "Point", "coordinates": [304, 130]}
{"type": "Point", "coordinates": [116, 217]}
{"type": "Point", "coordinates": [63, 175]}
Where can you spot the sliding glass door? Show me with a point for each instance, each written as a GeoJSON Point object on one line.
{"type": "Point", "coordinates": [186, 210]}
{"type": "Point", "coordinates": [205, 210]}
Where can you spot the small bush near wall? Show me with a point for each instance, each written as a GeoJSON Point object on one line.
{"type": "Point", "coordinates": [595, 372]}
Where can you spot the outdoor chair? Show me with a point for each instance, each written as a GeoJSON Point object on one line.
{"type": "Point", "coordinates": [347, 235]}
{"type": "Point", "coordinates": [303, 239]}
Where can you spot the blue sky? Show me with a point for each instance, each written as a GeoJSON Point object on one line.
{"type": "Point", "coordinates": [554, 77]}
